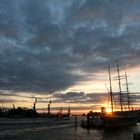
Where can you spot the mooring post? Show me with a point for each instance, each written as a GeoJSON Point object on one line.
{"type": "Point", "coordinates": [75, 121]}
{"type": "Point", "coordinates": [88, 120]}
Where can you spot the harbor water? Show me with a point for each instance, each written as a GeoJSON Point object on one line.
{"type": "Point", "coordinates": [55, 129]}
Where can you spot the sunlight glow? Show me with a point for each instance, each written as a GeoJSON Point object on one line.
{"type": "Point", "coordinates": [108, 110]}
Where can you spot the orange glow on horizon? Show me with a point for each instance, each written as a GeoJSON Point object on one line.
{"type": "Point", "coordinates": [108, 110]}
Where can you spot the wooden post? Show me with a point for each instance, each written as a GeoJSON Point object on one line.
{"type": "Point", "coordinates": [88, 120]}
{"type": "Point", "coordinates": [75, 121]}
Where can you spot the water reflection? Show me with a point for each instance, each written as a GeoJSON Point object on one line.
{"type": "Point", "coordinates": [43, 129]}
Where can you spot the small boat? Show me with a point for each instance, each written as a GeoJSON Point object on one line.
{"type": "Point", "coordinates": [111, 121]}
{"type": "Point", "coordinates": [118, 121]}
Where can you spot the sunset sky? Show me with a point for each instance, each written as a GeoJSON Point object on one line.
{"type": "Point", "coordinates": [60, 50]}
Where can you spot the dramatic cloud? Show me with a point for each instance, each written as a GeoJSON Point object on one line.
{"type": "Point", "coordinates": [80, 97]}
{"type": "Point", "coordinates": [50, 45]}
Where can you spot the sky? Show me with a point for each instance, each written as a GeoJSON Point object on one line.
{"type": "Point", "coordinates": [60, 50]}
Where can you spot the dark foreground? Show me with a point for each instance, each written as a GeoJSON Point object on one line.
{"type": "Point", "coordinates": [49, 129]}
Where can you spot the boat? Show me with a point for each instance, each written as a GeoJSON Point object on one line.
{"type": "Point", "coordinates": [117, 119]}
{"type": "Point", "coordinates": [121, 118]}
{"type": "Point", "coordinates": [114, 122]}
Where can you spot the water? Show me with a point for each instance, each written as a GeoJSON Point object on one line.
{"type": "Point", "coordinates": [44, 129]}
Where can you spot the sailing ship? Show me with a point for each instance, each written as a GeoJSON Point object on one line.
{"type": "Point", "coordinates": [123, 118]}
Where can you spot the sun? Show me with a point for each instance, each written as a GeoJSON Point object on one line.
{"type": "Point", "coordinates": [108, 110]}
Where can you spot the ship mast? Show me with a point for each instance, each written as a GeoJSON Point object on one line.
{"type": "Point", "coordinates": [119, 82]}
{"type": "Point", "coordinates": [127, 90]}
{"type": "Point", "coordinates": [111, 94]}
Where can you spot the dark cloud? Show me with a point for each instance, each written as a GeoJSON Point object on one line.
{"type": "Point", "coordinates": [88, 101]}
{"type": "Point", "coordinates": [80, 97]}
{"type": "Point", "coordinates": [45, 46]}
